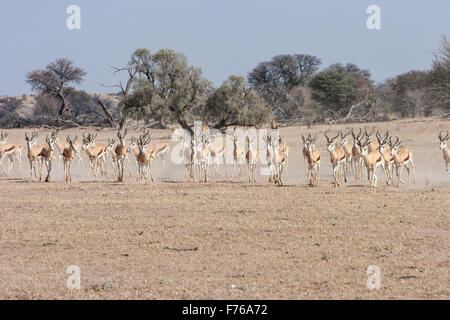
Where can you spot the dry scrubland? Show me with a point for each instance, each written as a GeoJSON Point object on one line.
{"type": "Point", "coordinates": [230, 239]}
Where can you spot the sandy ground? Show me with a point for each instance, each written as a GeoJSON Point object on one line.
{"type": "Point", "coordinates": [228, 239]}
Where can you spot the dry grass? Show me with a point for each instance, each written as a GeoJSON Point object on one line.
{"type": "Point", "coordinates": [230, 239]}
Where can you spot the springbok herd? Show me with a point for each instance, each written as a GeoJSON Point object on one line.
{"type": "Point", "coordinates": [369, 149]}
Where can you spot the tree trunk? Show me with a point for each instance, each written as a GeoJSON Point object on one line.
{"type": "Point", "coordinates": [64, 110]}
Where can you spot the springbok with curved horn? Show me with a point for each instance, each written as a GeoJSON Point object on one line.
{"type": "Point", "coordinates": [204, 157]}
{"type": "Point", "coordinates": [252, 157]}
{"type": "Point", "coordinates": [356, 154]}
{"type": "Point", "coordinates": [96, 153]}
{"type": "Point", "coordinates": [305, 152]}
{"type": "Point", "coordinates": [47, 152]}
{"type": "Point", "coordinates": [403, 157]}
{"type": "Point", "coordinates": [121, 153]}
{"type": "Point", "coordinates": [68, 155]}
{"type": "Point", "coordinates": [33, 153]}
{"type": "Point", "coordinates": [348, 147]}
{"type": "Point", "coordinates": [238, 154]}
{"type": "Point", "coordinates": [443, 144]}
{"type": "Point", "coordinates": [313, 161]}
{"type": "Point", "coordinates": [12, 151]}
{"type": "Point", "coordinates": [270, 157]}
{"type": "Point", "coordinates": [144, 157]}
{"type": "Point", "coordinates": [337, 157]}
{"type": "Point", "coordinates": [372, 160]}
{"type": "Point", "coordinates": [373, 143]}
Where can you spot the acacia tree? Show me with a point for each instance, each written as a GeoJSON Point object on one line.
{"type": "Point", "coordinates": [56, 80]}
{"type": "Point", "coordinates": [277, 82]}
{"type": "Point", "coordinates": [166, 88]}
{"type": "Point", "coordinates": [440, 76]}
{"type": "Point", "coordinates": [340, 89]}
{"type": "Point", "coordinates": [234, 103]}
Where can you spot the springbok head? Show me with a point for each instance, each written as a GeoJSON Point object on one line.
{"type": "Point", "coordinates": [31, 141]}
{"type": "Point", "coordinates": [364, 145]}
{"type": "Point", "coordinates": [143, 141]}
{"type": "Point", "coordinates": [110, 145]}
{"type": "Point", "coordinates": [71, 142]}
{"type": "Point", "coordinates": [382, 140]}
{"type": "Point", "coordinates": [331, 145]}
{"type": "Point", "coordinates": [394, 145]}
{"type": "Point", "coordinates": [88, 141]}
{"type": "Point", "coordinates": [312, 143]}
{"type": "Point", "coordinates": [306, 140]}
{"type": "Point", "coordinates": [356, 136]}
{"type": "Point", "coordinates": [51, 140]}
{"type": "Point", "coordinates": [443, 140]}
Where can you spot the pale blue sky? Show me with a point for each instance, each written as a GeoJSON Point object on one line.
{"type": "Point", "coordinates": [222, 37]}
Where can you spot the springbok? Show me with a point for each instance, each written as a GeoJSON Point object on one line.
{"type": "Point", "coordinates": [203, 157]}
{"type": "Point", "coordinates": [47, 152]}
{"type": "Point", "coordinates": [68, 155]}
{"type": "Point", "coordinates": [216, 153]}
{"type": "Point", "coordinates": [96, 152]}
{"type": "Point", "coordinates": [270, 157]}
{"type": "Point", "coordinates": [276, 156]}
{"type": "Point", "coordinates": [189, 153]}
{"type": "Point", "coordinates": [160, 150]}
{"type": "Point", "coordinates": [313, 156]}
{"type": "Point", "coordinates": [61, 148]}
{"type": "Point", "coordinates": [385, 151]}
{"type": "Point", "coordinates": [443, 144]}
{"type": "Point", "coordinates": [33, 153]}
{"type": "Point", "coordinates": [356, 154]}
{"type": "Point", "coordinates": [238, 154]}
{"type": "Point", "coordinates": [305, 152]}
{"type": "Point", "coordinates": [348, 148]}
{"type": "Point", "coordinates": [337, 158]}
{"type": "Point", "coordinates": [402, 158]}
{"type": "Point", "coordinates": [12, 151]}
{"type": "Point", "coordinates": [372, 160]}
{"type": "Point", "coordinates": [251, 156]}
{"type": "Point", "coordinates": [373, 144]}
{"type": "Point", "coordinates": [121, 153]}
{"type": "Point", "coordinates": [144, 157]}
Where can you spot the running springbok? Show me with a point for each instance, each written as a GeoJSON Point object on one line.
{"type": "Point", "coordinates": [356, 154]}
{"type": "Point", "coordinates": [68, 154]}
{"type": "Point", "coordinates": [216, 153]}
{"type": "Point", "coordinates": [313, 157]}
{"type": "Point", "coordinates": [238, 154]}
{"type": "Point", "coordinates": [144, 156]}
{"type": "Point", "coordinates": [403, 157]}
{"type": "Point", "coordinates": [47, 152]}
{"type": "Point", "coordinates": [347, 146]}
{"type": "Point", "coordinates": [96, 152]}
{"type": "Point", "coordinates": [305, 152]}
{"type": "Point", "coordinates": [337, 158]}
{"type": "Point", "coordinates": [372, 160]}
{"type": "Point", "coordinates": [251, 156]}
{"type": "Point", "coordinates": [373, 143]}
{"type": "Point", "coordinates": [12, 151]}
{"type": "Point", "coordinates": [443, 144]}
{"type": "Point", "coordinates": [203, 157]}
{"type": "Point", "coordinates": [33, 153]}
{"type": "Point", "coordinates": [388, 158]}
{"type": "Point", "coordinates": [121, 153]}
{"type": "Point", "coordinates": [276, 156]}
